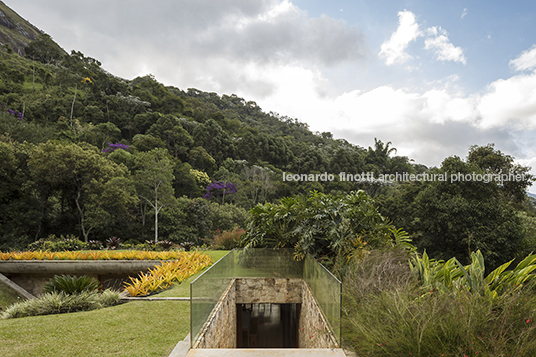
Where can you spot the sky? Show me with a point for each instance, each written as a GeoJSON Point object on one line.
{"type": "Point", "coordinates": [431, 77]}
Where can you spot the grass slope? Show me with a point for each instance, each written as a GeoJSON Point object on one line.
{"type": "Point", "coordinates": [140, 328]}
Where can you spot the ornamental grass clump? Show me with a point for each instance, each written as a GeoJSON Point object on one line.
{"type": "Point", "coordinates": [60, 302]}
{"type": "Point", "coordinates": [387, 311]}
{"type": "Point", "coordinates": [63, 294]}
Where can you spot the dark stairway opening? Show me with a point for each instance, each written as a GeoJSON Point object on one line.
{"type": "Point", "coordinates": [267, 325]}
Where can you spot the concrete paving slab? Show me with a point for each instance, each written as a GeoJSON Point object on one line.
{"type": "Point", "coordinates": [181, 349]}
{"type": "Point", "coordinates": [265, 352]}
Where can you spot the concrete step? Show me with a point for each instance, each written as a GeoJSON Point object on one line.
{"type": "Point", "coordinates": [266, 352]}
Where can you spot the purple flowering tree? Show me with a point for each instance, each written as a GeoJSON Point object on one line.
{"type": "Point", "coordinates": [112, 147]}
{"type": "Point", "coordinates": [16, 114]}
{"type": "Point", "coordinates": [12, 112]}
{"type": "Point", "coordinates": [220, 189]}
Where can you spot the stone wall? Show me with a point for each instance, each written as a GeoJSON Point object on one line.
{"type": "Point", "coordinates": [268, 290]}
{"type": "Point", "coordinates": [313, 327]}
{"type": "Point", "coordinates": [220, 328]}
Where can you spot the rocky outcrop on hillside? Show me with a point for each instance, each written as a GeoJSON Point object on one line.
{"type": "Point", "coordinates": [15, 31]}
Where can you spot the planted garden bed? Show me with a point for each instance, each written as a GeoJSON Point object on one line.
{"type": "Point", "coordinates": [76, 266]}
{"type": "Point", "coordinates": [31, 270]}
{"type": "Point", "coordinates": [92, 255]}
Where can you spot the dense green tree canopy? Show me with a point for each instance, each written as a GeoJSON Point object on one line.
{"type": "Point", "coordinates": [461, 214]}
{"type": "Point", "coordinates": [81, 177]}
{"type": "Point", "coordinates": [59, 111]}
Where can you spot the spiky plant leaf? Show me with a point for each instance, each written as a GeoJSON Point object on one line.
{"type": "Point", "coordinates": [71, 284]}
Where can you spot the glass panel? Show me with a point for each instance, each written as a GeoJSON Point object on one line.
{"type": "Point", "coordinates": [206, 290]}
{"type": "Point", "coordinates": [267, 263]}
{"type": "Point", "coordinates": [327, 290]}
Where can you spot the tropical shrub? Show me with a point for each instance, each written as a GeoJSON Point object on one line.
{"type": "Point", "coordinates": [226, 240]}
{"type": "Point", "coordinates": [187, 246]}
{"type": "Point", "coordinates": [165, 244]}
{"type": "Point", "coordinates": [70, 284]}
{"type": "Point", "coordinates": [95, 245]}
{"type": "Point", "coordinates": [159, 245]}
{"type": "Point", "coordinates": [58, 244]}
{"type": "Point", "coordinates": [59, 302]}
{"type": "Point", "coordinates": [452, 277]}
{"type": "Point", "coordinates": [113, 243]}
{"type": "Point", "coordinates": [321, 225]}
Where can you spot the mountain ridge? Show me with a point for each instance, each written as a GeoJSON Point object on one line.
{"type": "Point", "coordinates": [15, 31]}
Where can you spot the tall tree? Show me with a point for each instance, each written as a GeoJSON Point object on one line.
{"type": "Point", "coordinates": [214, 140]}
{"type": "Point", "coordinates": [82, 175]}
{"type": "Point", "coordinates": [19, 208]}
{"type": "Point", "coordinates": [154, 177]}
{"type": "Point", "coordinates": [493, 161]}
{"type": "Point", "coordinates": [169, 129]}
{"type": "Point", "coordinates": [455, 218]}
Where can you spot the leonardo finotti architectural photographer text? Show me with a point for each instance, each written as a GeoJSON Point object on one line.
{"type": "Point", "coordinates": [390, 178]}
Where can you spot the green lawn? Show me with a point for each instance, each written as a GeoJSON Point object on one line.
{"type": "Point", "coordinates": [139, 328]}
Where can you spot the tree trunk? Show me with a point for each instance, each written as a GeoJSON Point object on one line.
{"type": "Point", "coordinates": [72, 106]}
{"type": "Point", "coordinates": [33, 75]}
{"type": "Point", "coordinates": [81, 212]}
{"type": "Point", "coordinates": [156, 214]}
{"type": "Point", "coordinates": [143, 210]}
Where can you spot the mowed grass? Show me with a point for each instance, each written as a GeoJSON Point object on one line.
{"type": "Point", "coordinates": [138, 328]}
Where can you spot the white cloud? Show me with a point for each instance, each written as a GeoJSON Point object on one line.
{"type": "Point", "coordinates": [425, 125]}
{"type": "Point", "coordinates": [510, 102]}
{"type": "Point", "coordinates": [393, 50]}
{"type": "Point", "coordinates": [440, 44]}
{"type": "Point", "coordinates": [199, 43]}
{"type": "Point", "coordinates": [525, 61]}
{"type": "Point", "coordinates": [464, 13]}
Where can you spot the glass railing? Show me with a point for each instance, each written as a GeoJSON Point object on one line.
{"type": "Point", "coordinates": [327, 290]}
{"type": "Point", "coordinates": [207, 289]}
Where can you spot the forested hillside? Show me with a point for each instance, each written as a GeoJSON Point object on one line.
{"type": "Point", "coordinates": [86, 153]}
{"type": "Point", "coordinates": [85, 150]}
